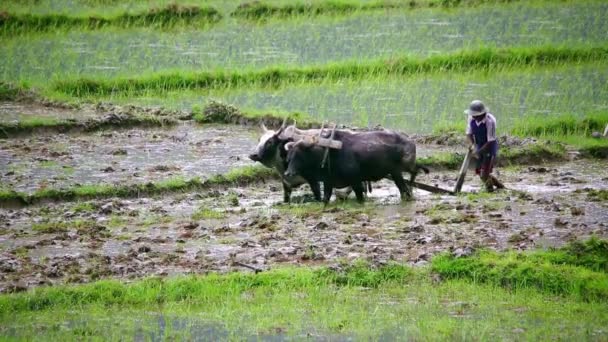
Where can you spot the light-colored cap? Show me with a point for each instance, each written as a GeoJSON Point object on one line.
{"type": "Point", "coordinates": [476, 108]}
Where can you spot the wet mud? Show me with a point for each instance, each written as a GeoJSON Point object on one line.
{"type": "Point", "coordinates": [123, 156]}
{"type": "Point", "coordinates": [228, 229]}
{"type": "Point", "coordinates": [136, 155]}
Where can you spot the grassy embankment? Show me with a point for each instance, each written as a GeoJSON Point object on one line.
{"type": "Point", "coordinates": [41, 124]}
{"type": "Point", "coordinates": [164, 17]}
{"type": "Point", "coordinates": [552, 294]}
{"type": "Point", "coordinates": [485, 59]}
{"type": "Point", "coordinates": [261, 10]}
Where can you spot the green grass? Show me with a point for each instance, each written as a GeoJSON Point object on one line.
{"type": "Point", "coordinates": [347, 300]}
{"type": "Point", "coordinates": [206, 213]}
{"type": "Point", "coordinates": [560, 125]}
{"type": "Point", "coordinates": [241, 176]}
{"type": "Point", "coordinates": [62, 226]}
{"type": "Point", "coordinates": [579, 269]}
{"type": "Point", "coordinates": [483, 59]}
{"type": "Point", "coordinates": [168, 16]}
{"type": "Point", "coordinates": [34, 125]}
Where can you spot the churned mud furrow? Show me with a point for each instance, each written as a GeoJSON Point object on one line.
{"type": "Point", "coordinates": [224, 228]}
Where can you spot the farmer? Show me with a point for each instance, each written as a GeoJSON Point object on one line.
{"type": "Point", "coordinates": [481, 133]}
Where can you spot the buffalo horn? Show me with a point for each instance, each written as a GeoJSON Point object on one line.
{"type": "Point", "coordinates": [282, 126]}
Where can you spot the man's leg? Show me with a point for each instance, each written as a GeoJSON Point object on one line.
{"type": "Point", "coordinates": [484, 174]}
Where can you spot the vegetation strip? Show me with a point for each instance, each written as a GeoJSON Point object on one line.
{"type": "Point", "coordinates": [168, 16]}
{"type": "Point", "coordinates": [159, 290]}
{"type": "Point", "coordinates": [579, 269]}
{"type": "Point", "coordinates": [484, 59]}
{"type": "Point", "coordinates": [244, 175]}
{"type": "Point", "coordinates": [41, 124]}
{"type": "Point", "coordinates": [258, 10]}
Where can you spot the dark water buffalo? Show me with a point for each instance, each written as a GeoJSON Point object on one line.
{"type": "Point", "coordinates": [271, 152]}
{"type": "Point", "coordinates": [364, 156]}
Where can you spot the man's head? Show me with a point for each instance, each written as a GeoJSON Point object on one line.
{"type": "Point", "coordinates": [477, 110]}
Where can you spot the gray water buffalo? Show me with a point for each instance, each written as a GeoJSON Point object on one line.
{"type": "Point", "coordinates": [364, 156]}
{"type": "Point", "coordinates": [271, 152]}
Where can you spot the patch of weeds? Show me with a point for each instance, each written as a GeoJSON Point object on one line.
{"type": "Point", "coordinates": [203, 213]}
{"type": "Point", "coordinates": [578, 269]}
{"type": "Point", "coordinates": [361, 273]}
{"type": "Point", "coordinates": [597, 195]}
{"type": "Point", "coordinates": [21, 252]}
{"type": "Point", "coordinates": [309, 253]}
{"type": "Point", "coordinates": [117, 221]}
{"type": "Point", "coordinates": [50, 227]}
{"type": "Point", "coordinates": [48, 164]}
{"type": "Point", "coordinates": [233, 199]}
{"type": "Point", "coordinates": [150, 220]}
{"type": "Point", "coordinates": [227, 241]}
{"type": "Point", "coordinates": [478, 196]}
{"type": "Point", "coordinates": [302, 211]}
{"type": "Point", "coordinates": [84, 207]}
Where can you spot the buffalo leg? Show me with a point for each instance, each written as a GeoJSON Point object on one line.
{"type": "Point", "coordinates": [316, 190]}
{"type": "Point", "coordinates": [327, 190]}
{"type": "Point", "coordinates": [359, 190]}
{"type": "Point", "coordinates": [404, 189]}
{"type": "Point", "coordinates": [286, 193]}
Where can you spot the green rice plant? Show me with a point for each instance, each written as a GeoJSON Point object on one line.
{"type": "Point", "coordinates": [561, 125]}
{"type": "Point", "coordinates": [483, 59]}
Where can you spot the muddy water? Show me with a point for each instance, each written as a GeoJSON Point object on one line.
{"type": "Point", "coordinates": [123, 156]}
{"type": "Point", "coordinates": [545, 205]}
{"type": "Point", "coordinates": [17, 111]}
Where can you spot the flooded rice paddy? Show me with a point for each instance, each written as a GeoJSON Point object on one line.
{"type": "Point", "coordinates": [416, 104]}
{"type": "Point", "coordinates": [223, 228]}
{"type": "Point", "coordinates": [299, 41]}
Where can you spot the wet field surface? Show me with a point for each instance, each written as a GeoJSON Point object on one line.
{"type": "Point", "coordinates": [222, 229]}
{"type": "Point", "coordinates": [17, 111]}
{"type": "Point", "coordinates": [123, 156]}
{"type": "Point", "coordinates": [127, 156]}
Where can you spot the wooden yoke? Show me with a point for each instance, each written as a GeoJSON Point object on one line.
{"type": "Point", "coordinates": [313, 139]}
{"type": "Point", "coordinates": [331, 138]}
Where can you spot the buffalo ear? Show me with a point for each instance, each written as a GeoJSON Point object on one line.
{"type": "Point", "coordinates": [289, 145]}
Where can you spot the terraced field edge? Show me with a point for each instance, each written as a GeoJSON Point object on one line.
{"type": "Point", "coordinates": [241, 176]}
{"type": "Point", "coordinates": [164, 17]}
{"type": "Point", "coordinates": [483, 59]}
